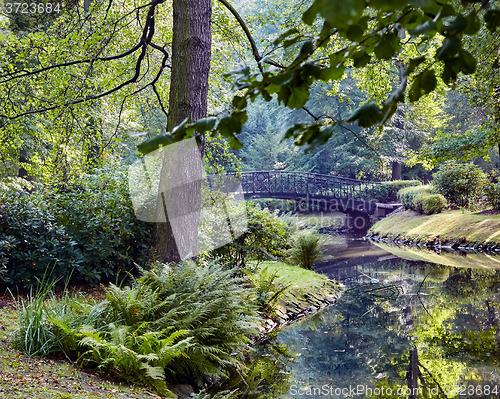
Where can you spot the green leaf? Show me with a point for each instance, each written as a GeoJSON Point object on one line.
{"type": "Point", "coordinates": [282, 37]}
{"type": "Point", "coordinates": [340, 13]}
{"type": "Point", "coordinates": [239, 102]}
{"type": "Point", "coordinates": [388, 5]}
{"type": "Point", "coordinates": [361, 59]}
{"type": "Point", "coordinates": [235, 143]}
{"type": "Point", "coordinates": [473, 23]}
{"type": "Point", "coordinates": [204, 124]}
{"type": "Point", "coordinates": [426, 27]}
{"type": "Point", "coordinates": [449, 74]}
{"type": "Point", "coordinates": [232, 124]}
{"type": "Point", "coordinates": [355, 33]}
{"type": "Point", "coordinates": [449, 49]}
{"type": "Point", "coordinates": [367, 115]}
{"type": "Point", "coordinates": [294, 96]}
{"type": "Point", "coordinates": [458, 25]}
{"type": "Point", "coordinates": [387, 47]}
{"type": "Point", "coordinates": [492, 19]}
{"type": "Point", "coordinates": [154, 143]}
{"type": "Point", "coordinates": [423, 84]}
{"type": "Point", "coordinates": [468, 62]}
{"type": "Point", "coordinates": [310, 15]}
{"type": "Point", "coordinates": [333, 73]}
{"type": "Point", "coordinates": [413, 64]}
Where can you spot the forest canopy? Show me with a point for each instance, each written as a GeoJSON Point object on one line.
{"type": "Point", "coordinates": [87, 82]}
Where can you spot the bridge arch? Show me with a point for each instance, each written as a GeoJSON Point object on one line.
{"type": "Point", "coordinates": [333, 193]}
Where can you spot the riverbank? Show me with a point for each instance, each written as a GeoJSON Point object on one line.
{"type": "Point", "coordinates": [307, 293]}
{"type": "Point", "coordinates": [463, 230]}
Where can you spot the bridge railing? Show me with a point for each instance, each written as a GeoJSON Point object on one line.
{"type": "Point", "coordinates": [304, 183]}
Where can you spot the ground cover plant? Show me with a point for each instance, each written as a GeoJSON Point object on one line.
{"type": "Point", "coordinates": [187, 322]}
{"type": "Point", "coordinates": [23, 376]}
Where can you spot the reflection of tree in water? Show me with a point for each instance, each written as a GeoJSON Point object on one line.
{"type": "Point", "coordinates": [446, 318]}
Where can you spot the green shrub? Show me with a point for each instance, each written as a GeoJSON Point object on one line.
{"type": "Point", "coordinates": [97, 213]}
{"type": "Point", "coordinates": [387, 190]}
{"type": "Point", "coordinates": [407, 195]}
{"type": "Point", "coordinates": [307, 249]}
{"type": "Point", "coordinates": [87, 229]}
{"type": "Point", "coordinates": [418, 202]}
{"type": "Point", "coordinates": [461, 183]}
{"type": "Point", "coordinates": [429, 203]}
{"type": "Point", "coordinates": [266, 238]}
{"type": "Point", "coordinates": [433, 203]}
{"type": "Point", "coordinates": [492, 191]}
{"type": "Point", "coordinates": [32, 241]}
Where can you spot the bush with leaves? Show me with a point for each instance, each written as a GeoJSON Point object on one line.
{"type": "Point", "coordinates": [492, 191]}
{"type": "Point", "coordinates": [266, 238]}
{"type": "Point", "coordinates": [307, 249]}
{"type": "Point", "coordinates": [461, 183]}
{"type": "Point", "coordinates": [87, 229]}
{"type": "Point", "coordinates": [429, 203]}
{"type": "Point", "coordinates": [407, 195]}
{"type": "Point", "coordinates": [97, 213]}
{"type": "Point", "coordinates": [32, 241]}
{"type": "Point", "coordinates": [387, 190]}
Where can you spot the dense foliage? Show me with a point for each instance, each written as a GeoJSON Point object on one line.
{"type": "Point", "coordinates": [387, 191]}
{"type": "Point", "coordinates": [429, 203]}
{"type": "Point", "coordinates": [492, 191]}
{"type": "Point", "coordinates": [266, 238]}
{"type": "Point", "coordinates": [186, 321]}
{"type": "Point", "coordinates": [406, 195]}
{"type": "Point", "coordinates": [86, 229]}
{"type": "Point", "coordinates": [461, 183]}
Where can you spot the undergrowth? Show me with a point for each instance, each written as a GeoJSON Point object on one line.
{"type": "Point", "coordinates": [184, 323]}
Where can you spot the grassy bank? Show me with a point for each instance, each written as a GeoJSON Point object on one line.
{"type": "Point", "coordinates": [307, 293]}
{"type": "Point", "coordinates": [449, 226]}
{"type": "Point", "coordinates": [301, 282]}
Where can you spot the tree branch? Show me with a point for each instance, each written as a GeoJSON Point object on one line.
{"type": "Point", "coordinates": [145, 41]}
{"type": "Point", "coordinates": [11, 76]}
{"type": "Point", "coordinates": [243, 25]}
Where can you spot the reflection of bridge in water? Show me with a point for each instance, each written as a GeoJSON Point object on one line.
{"type": "Point", "coordinates": [327, 192]}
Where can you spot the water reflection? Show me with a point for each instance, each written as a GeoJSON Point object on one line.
{"type": "Point", "coordinates": [403, 328]}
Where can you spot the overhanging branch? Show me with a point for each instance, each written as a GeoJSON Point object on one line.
{"type": "Point", "coordinates": [144, 42]}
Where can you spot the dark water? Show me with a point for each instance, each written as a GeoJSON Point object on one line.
{"type": "Point", "coordinates": [402, 327]}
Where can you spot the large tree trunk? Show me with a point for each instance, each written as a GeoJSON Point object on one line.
{"type": "Point", "coordinates": [399, 124]}
{"type": "Point", "coordinates": [191, 50]}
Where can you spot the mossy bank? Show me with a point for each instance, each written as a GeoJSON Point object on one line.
{"type": "Point", "coordinates": [456, 229]}
{"type": "Point", "coordinates": [307, 293]}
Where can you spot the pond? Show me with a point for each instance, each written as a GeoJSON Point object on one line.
{"type": "Point", "coordinates": [402, 328]}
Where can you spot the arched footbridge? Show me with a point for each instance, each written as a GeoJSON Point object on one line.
{"type": "Point", "coordinates": [327, 192]}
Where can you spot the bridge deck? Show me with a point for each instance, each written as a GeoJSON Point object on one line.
{"type": "Point", "coordinates": [345, 193]}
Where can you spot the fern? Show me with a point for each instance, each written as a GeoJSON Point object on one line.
{"type": "Point", "coordinates": [132, 354]}
{"type": "Point", "coordinates": [306, 249]}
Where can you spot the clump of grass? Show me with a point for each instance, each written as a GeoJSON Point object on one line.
{"type": "Point", "coordinates": [307, 249]}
